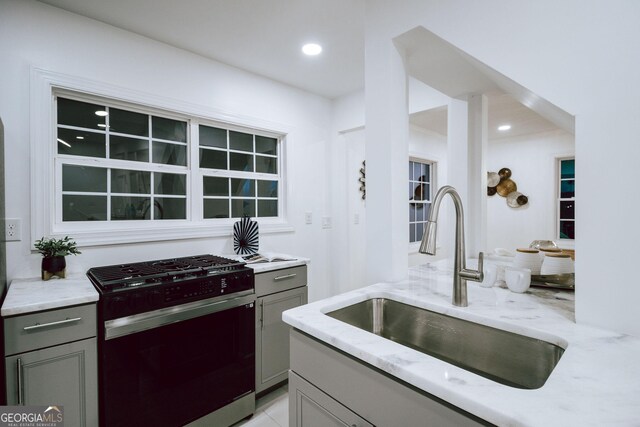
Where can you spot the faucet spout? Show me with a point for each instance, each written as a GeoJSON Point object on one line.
{"type": "Point", "coordinates": [428, 246]}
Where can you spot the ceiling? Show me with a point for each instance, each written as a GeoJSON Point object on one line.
{"type": "Point", "coordinates": [261, 36]}
{"type": "Point", "coordinates": [265, 37]}
{"type": "Point", "coordinates": [502, 109]}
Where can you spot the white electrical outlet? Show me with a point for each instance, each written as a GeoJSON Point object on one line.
{"type": "Point", "coordinates": [326, 222]}
{"type": "Point", "coordinates": [308, 218]}
{"type": "Point", "coordinates": [13, 230]}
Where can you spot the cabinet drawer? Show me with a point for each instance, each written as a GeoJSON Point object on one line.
{"type": "Point", "coordinates": [48, 328]}
{"type": "Point", "coordinates": [280, 280]}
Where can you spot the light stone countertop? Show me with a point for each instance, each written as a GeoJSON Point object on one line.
{"type": "Point", "coordinates": [596, 382]}
{"type": "Point", "coordinates": [31, 295]}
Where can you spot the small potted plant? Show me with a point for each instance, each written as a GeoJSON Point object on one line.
{"type": "Point", "coordinates": [53, 252]}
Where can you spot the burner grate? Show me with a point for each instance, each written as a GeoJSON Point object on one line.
{"type": "Point", "coordinates": [115, 276]}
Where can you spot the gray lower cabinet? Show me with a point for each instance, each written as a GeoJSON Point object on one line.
{"type": "Point", "coordinates": [276, 291]}
{"type": "Point", "coordinates": [328, 387]}
{"type": "Point", "coordinates": [52, 360]}
{"type": "Point", "coordinates": [315, 408]}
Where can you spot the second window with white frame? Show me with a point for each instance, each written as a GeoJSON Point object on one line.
{"type": "Point", "coordinates": [421, 174]}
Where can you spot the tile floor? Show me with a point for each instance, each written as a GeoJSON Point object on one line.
{"type": "Point", "coordinates": [272, 410]}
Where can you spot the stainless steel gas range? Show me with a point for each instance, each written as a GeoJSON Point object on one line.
{"type": "Point", "coordinates": [177, 342]}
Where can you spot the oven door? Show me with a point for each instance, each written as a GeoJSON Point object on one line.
{"type": "Point", "coordinates": [175, 365]}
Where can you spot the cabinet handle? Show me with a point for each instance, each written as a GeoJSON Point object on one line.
{"type": "Point", "coordinates": [19, 367]}
{"type": "Point", "coordinates": [44, 325]}
{"type": "Point", "coordinates": [261, 314]}
{"type": "Point", "coordinates": [286, 276]}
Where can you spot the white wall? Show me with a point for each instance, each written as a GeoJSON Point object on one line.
{"type": "Point", "coordinates": [36, 35]}
{"type": "Point", "coordinates": [532, 160]}
{"type": "Point", "coordinates": [575, 54]}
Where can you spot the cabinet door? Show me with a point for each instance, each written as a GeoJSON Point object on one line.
{"type": "Point", "coordinates": [62, 375]}
{"type": "Point", "coordinates": [309, 407]}
{"type": "Point", "coordinates": [272, 336]}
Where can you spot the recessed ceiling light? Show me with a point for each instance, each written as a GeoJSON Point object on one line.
{"type": "Point", "coordinates": [79, 137]}
{"type": "Point", "coordinates": [101, 113]}
{"type": "Point", "coordinates": [102, 125]}
{"type": "Point", "coordinates": [311, 49]}
{"type": "Point", "coordinates": [503, 128]}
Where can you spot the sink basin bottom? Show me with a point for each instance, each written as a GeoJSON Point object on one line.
{"type": "Point", "coordinates": [502, 356]}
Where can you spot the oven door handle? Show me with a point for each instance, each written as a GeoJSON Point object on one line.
{"type": "Point", "coordinates": [141, 322]}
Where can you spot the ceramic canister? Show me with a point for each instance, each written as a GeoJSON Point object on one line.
{"type": "Point", "coordinates": [528, 258]}
{"type": "Point", "coordinates": [545, 251]}
{"type": "Point", "coordinates": [557, 264]}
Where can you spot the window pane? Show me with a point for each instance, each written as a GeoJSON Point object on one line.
{"type": "Point", "coordinates": [123, 148]}
{"type": "Point", "coordinates": [84, 178]}
{"type": "Point", "coordinates": [213, 137]}
{"type": "Point", "coordinates": [122, 121]}
{"type": "Point", "coordinates": [413, 207]}
{"type": "Point", "coordinates": [426, 210]}
{"type": "Point", "coordinates": [266, 145]}
{"type": "Point", "coordinates": [170, 208]}
{"type": "Point", "coordinates": [79, 143]}
{"type": "Point", "coordinates": [128, 181]}
{"type": "Point", "coordinates": [84, 208]}
{"type": "Point", "coordinates": [567, 210]}
{"type": "Point", "coordinates": [240, 141]}
{"type": "Point", "coordinates": [267, 188]}
{"type": "Point", "coordinates": [130, 208]}
{"type": "Point", "coordinates": [241, 162]}
{"type": "Point", "coordinates": [416, 171]}
{"type": "Point", "coordinates": [567, 189]}
{"type": "Point", "coordinates": [417, 191]}
{"type": "Point", "coordinates": [427, 172]}
{"type": "Point", "coordinates": [170, 183]}
{"type": "Point", "coordinates": [213, 159]}
{"type": "Point", "coordinates": [419, 230]}
{"type": "Point", "coordinates": [80, 114]}
{"type": "Point", "coordinates": [243, 187]}
{"type": "Point", "coordinates": [567, 168]}
{"type": "Point", "coordinates": [172, 130]}
{"type": "Point", "coordinates": [266, 164]}
{"type": "Point", "coordinates": [169, 154]}
{"type": "Point", "coordinates": [243, 207]}
{"type": "Point", "coordinates": [267, 208]}
{"type": "Point", "coordinates": [411, 178]}
{"type": "Point", "coordinates": [567, 230]}
{"type": "Point", "coordinates": [216, 208]}
{"type": "Point", "coordinates": [412, 232]}
{"type": "Point", "coordinates": [213, 186]}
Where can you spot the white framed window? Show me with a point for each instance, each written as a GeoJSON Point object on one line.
{"type": "Point", "coordinates": [145, 167]}
{"type": "Point", "coordinates": [421, 185]}
{"type": "Point", "coordinates": [566, 200]}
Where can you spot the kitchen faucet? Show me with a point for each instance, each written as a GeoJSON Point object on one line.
{"type": "Point", "coordinates": [428, 246]}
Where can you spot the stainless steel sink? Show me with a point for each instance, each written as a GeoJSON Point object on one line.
{"type": "Point", "coordinates": [502, 356]}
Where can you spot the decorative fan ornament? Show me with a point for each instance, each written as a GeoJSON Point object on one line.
{"type": "Point", "coordinates": [245, 236]}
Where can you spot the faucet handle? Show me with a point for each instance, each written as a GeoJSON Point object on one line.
{"type": "Point", "coordinates": [474, 275]}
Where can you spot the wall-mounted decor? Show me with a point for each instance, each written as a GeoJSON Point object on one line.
{"type": "Point", "coordinates": [501, 183]}
{"type": "Point", "coordinates": [245, 236]}
{"type": "Point", "coordinates": [362, 180]}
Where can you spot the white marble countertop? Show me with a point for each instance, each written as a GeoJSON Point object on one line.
{"type": "Point", "coordinates": [595, 383]}
{"type": "Point", "coordinates": [31, 295]}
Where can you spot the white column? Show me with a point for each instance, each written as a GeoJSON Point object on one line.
{"type": "Point", "coordinates": [466, 163]}
{"type": "Point", "coordinates": [387, 156]}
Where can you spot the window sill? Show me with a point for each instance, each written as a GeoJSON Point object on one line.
{"type": "Point", "coordinates": [124, 235]}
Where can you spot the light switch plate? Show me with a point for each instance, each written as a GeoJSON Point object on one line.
{"type": "Point", "coordinates": [326, 222]}
{"type": "Point", "coordinates": [308, 218]}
